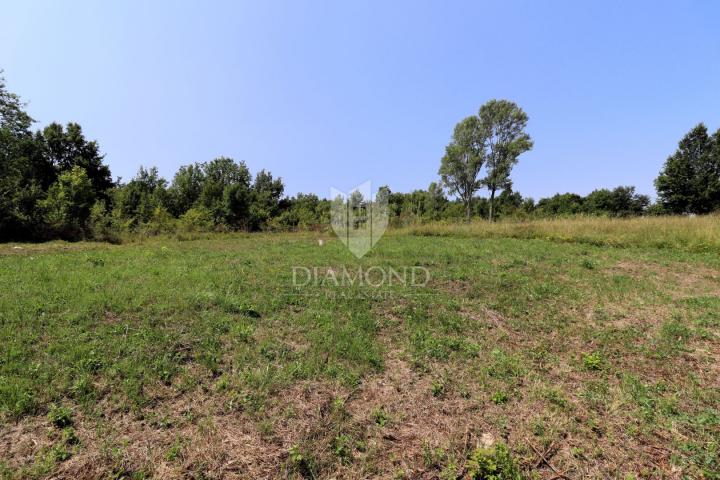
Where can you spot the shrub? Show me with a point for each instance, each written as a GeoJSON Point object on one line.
{"type": "Point", "coordinates": [196, 219]}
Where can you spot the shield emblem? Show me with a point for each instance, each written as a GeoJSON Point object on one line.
{"type": "Point", "coordinates": [358, 218]}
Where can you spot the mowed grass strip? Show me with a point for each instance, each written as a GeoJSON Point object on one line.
{"type": "Point", "coordinates": [201, 358]}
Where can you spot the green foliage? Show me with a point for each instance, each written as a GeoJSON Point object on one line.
{"type": "Point", "coordinates": [60, 416]}
{"type": "Point", "coordinates": [142, 196]}
{"type": "Point", "coordinates": [342, 446]}
{"type": "Point", "coordinates": [197, 219]}
{"type": "Point", "coordinates": [68, 203]}
{"type": "Point", "coordinates": [266, 194]}
{"type": "Point", "coordinates": [438, 388]}
{"type": "Point", "coordinates": [463, 160]}
{"type": "Point", "coordinates": [592, 361]}
{"type": "Point", "coordinates": [619, 202]}
{"type": "Point", "coordinates": [49, 180]}
{"type": "Point", "coordinates": [495, 137]}
{"type": "Point", "coordinates": [302, 462]}
{"type": "Point", "coordinates": [380, 416]}
{"type": "Point", "coordinates": [186, 188]}
{"type": "Point", "coordinates": [560, 205]}
{"type": "Point", "coordinates": [504, 125]}
{"type": "Point", "coordinates": [494, 463]}
{"type": "Point", "coordinates": [499, 398]}
{"type": "Point", "coordinates": [67, 148]}
{"type": "Point", "coordinates": [690, 179]}
{"type": "Point", "coordinates": [225, 190]}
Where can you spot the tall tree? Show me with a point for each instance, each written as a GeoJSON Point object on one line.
{"type": "Point", "coordinates": [463, 160]}
{"type": "Point", "coordinates": [266, 194]}
{"type": "Point", "coordinates": [434, 201]}
{"type": "Point", "coordinates": [142, 195]}
{"type": "Point", "coordinates": [690, 179]}
{"type": "Point", "coordinates": [186, 188]}
{"type": "Point", "coordinates": [226, 191]}
{"type": "Point", "coordinates": [68, 203]}
{"type": "Point", "coordinates": [620, 202]}
{"type": "Point", "coordinates": [13, 117]}
{"type": "Point", "coordinates": [25, 172]}
{"type": "Point", "coordinates": [67, 148]}
{"type": "Point", "coordinates": [503, 123]}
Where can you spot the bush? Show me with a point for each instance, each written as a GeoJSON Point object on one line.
{"type": "Point", "coordinates": [197, 219]}
{"type": "Point", "coordinates": [160, 222]}
{"type": "Point", "coordinates": [102, 225]}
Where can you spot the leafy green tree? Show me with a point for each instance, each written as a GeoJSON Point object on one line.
{"type": "Point", "coordinates": [503, 125]}
{"type": "Point", "coordinates": [435, 202]}
{"type": "Point", "coordinates": [306, 211]}
{"type": "Point", "coordinates": [560, 204]}
{"type": "Point", "coordinates": [101, 223]}
{"type": "Point", "coordinates": [197, 219]}
{"type": "Point", "coordinates": [186, 188]}
{"type": "Point", "coordinates": [463, 160]}
{"type": "Point", "coordinates": [508, 203]}
{"type": "Point", "coordinates": [690, 179]}
{"type": "Point", "coordinates": [620, 202]}
{"type": "Point", "coordinates": [226, 191]}
{"type": "Point", "coordinates": [67, 148]}
{"type": "Point", "coordinates": [25, 173]}
{"type": "Point", "coordinates": [13, 118]}
{"type": "Point", "coordinates": [141, 196]}
{"type": "Point", "coordinates": [68, 203]}
{"type": "Point", "coordinates": [266, 195]}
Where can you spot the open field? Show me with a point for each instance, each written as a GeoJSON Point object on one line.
{"type": "Point", "coordinates": [590, 348]}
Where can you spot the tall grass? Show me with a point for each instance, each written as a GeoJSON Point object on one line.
{"type": "Point", "coordinates": [696, 234]}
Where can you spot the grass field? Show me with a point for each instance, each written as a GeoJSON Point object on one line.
{"type": "Point", "coordinates": [585, 349]}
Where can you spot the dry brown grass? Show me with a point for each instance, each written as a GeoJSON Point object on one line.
{"type": "Point", "coordinates": [701, 233]}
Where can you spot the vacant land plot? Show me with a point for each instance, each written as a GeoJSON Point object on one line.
{"type": "Point", "coordinates": [558, 355]}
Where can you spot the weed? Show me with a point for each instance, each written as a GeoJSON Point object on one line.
{"type": "Point", "coordinates": [59, 416]}
{"type": "Point", "coordinates": [380, 416]}
{"type": "Point", "coordinates": [438, 388]}
{"type": "Point", "coordinates": [342, 447]}
{"type": "Point", "coordinates": [175, 450]}
{"type": "Point", "coordinates": [69, 437]}
{"type": "Point", "coordinates": [499, 398]}
{"type": "Point", "coordinates": [59, 453]}
{"type": "Point", "coordinates": [588, 264]}
{"type": "Point", "coordinates": [302, 462]}
{"type": "Point", "coordinates": [592, 361]}
{"type": "Point", "coordinates": [433, 457]}
{"type": "Point", "coordinates": [494, 463]}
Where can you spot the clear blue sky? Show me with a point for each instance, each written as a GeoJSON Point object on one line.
{"type": "Point", "coordinates": [333, 93]}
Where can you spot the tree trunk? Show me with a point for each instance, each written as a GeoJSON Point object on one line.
{"type": "Point", "coordinates": [492, 203]}
{"type": "Point", "coordinates": [467, 211]}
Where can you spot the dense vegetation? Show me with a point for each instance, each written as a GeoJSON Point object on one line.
{"type": "Point", "coordinates": [54, 184]}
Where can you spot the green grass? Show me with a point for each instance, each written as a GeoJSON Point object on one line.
{"type": "Point", "coordinates": [603, 359]}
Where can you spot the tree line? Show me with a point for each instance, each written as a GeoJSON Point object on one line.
{"type": "Point", "coordinates": [54, 184]}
